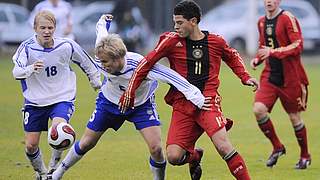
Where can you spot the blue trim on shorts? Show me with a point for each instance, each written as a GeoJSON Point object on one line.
{"type": "Point", "coordinates": [35, 119]}
{"type": "Point", "coordinates": [107, 115]}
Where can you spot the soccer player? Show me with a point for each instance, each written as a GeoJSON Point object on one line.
{"type": "Point", "coordinates": [62, 12]}
{"type": "Point", "coordinates": [118, 65]}
{"type": "Point", "coordinates": [42, 63]}
{"type": "Point", "coordinates": [196, 55]}
{"type": "Point", "coordinates": [280, 46]}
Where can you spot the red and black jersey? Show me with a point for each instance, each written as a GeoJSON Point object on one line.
{"type": "Point", "coordinates": [198, 61]}
{"type": "Point", "coordinates": [283, 34]}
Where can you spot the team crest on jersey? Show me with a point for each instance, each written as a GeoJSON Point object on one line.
{"type": "Point", "coordinates": [269, 31]}
{"type": "Point", "coordinates": [197, 53]}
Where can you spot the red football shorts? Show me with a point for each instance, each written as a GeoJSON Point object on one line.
{"type": "Point", "coordinates": [188, 123]}
{"type": "Point", "coordinates": [293, 98]}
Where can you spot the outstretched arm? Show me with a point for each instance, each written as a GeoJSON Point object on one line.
{"type": "Point", "coordinates": [103, 26]}
{"type": "Point", "coordinates": [86, 63]}
{"type": "Point", "coordinates": [169, 76]}
{"type": "Point", "coordinates": [235, 62]}
{"type": "Point", "coordinates": [127, 99]}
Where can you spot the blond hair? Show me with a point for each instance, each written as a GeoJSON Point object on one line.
{"type": "Point", "coordinates": [112, 46]}
{"type": "Point", "coordinates": [45, 14]}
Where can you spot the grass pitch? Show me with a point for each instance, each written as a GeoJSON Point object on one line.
{"type": "Point", "coordinates": [123, 155]}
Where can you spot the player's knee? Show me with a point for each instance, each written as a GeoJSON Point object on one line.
{"type": "Point", "coordinates": [174, 158]}
{"type": "Point", "coordinates": [259, 110]}
{"type": "Point", "coordinates": [295, 119]}
{"type": "Point", "coordinates": [31, 147]}
{"type": "Point", "coordinates": [155, 150]}
{"type": "Point", "coordinates": [224, 148]}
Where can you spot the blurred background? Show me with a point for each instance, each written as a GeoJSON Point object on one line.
{"type": "Point", "coordinates": [139, 22]}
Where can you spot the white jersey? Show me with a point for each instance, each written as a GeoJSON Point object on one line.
{"type": "Point", "coordinates": [62, 13]}
{"type": "Point", "coordinates": [56, 82]}
{"type": "Point", "coordinates": [115, 84]}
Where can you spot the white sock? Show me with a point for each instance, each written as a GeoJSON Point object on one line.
{"type": "Point", "coordinates": [71, 158]}
{"type": "Point", "coordinates": [158, 169]}
{"type": "Point", "coordinates": [37, 161]}
{"type": "Point", "coordinates": [55, 158]}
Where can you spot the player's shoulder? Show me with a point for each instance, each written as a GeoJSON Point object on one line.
{"type": "Point", "coordinates": [287, 14]}
{"type": "Point", "coordinates": [170, 35]}
{"type": "Point", "coordinates": [28, 42]}
{"type": "Point", "coordinates": [290, 20]}
{"type": "Point", "coordinates": [262, 19]}
{"type": "Point", "coordinates": [67, 43]}
{"type": "Point", "coordinates": [216, 37]}
{"type": "Point", "coordinates": [133, 57]}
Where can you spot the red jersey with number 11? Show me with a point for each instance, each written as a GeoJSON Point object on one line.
{"type": "Point", "coordinates": [198, 61]}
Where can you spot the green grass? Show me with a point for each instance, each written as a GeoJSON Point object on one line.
{"type": "Point", "coordinates": [123, 155]}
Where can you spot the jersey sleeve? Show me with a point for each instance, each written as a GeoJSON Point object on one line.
{"type": "Point", "coordinates": [293, 31]}
{"type": "Point", "coordinates": [261, 37]}
{"type": "Point", "coordinates": [233, 59]}
{"type": "Point", "coordinates": [21, 68]}
{"type": "Point", "coordinates": [169, 76]}
{"type": "Point", "coordinates": [86, 63]}
{"type": "Point", "coordinates": [146, 63]}
{"type": "Point", "coordinates": [101, 29]}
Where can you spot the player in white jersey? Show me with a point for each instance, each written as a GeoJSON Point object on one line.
{"type": "Point", "coordinates": [42, 63]}
{"type": "Point", "coordinates": [62, 12]}
{"type": "Point", "coordinates": [117, 65]}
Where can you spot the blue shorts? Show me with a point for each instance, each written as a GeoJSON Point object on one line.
{"type": "Point", "coordinates": [107, 115]}
{"type": "Point", "coordinates": [35, 119]}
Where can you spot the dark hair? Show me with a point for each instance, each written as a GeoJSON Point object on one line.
{"type": "Point", "coordinates": [188, 9]}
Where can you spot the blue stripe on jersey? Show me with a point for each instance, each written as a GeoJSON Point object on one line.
{"type": "Point", "coordinates": [170, 76]}
{"type": "Point", "coordinates": [27, 51]}
{"type": "Point", "coordinates": [23, 85]}
{"type": "Point", "coordinates": [163, 73]}
{"type": "Point", "coordinates": [133, 62]}
{"type": "Point", "coordinates": [51, 49]}
{"type": "Point", "coordinates": [89, 57]}
{"type": "Point", "coordinates": [97, 62]}
{"type": "Point", "coordinates": [21, 47]}
{"type": "Point", "coordinates": [152, 88]}
{"type": "Point", "coordinates": [77, 63]}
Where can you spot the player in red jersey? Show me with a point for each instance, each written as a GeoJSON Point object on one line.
{"type": "Point", "coordinates": [280, 46]}
{"type": "Point", "coordinates": [196, 55]}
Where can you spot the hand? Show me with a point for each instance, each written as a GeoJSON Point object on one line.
{"type": "Point", "coordinates": [96, 85]}
{"type": "Point", "coordinates": [95, 81]}
{"type": "Point", "coordinates": [207, 105]}
{"type": "Point", "coordinates": [38, 66]}
{"type": "Point", "coordinates": [264, 52]}
{"type": "Point", "coordinates": [126, 101]}
{"type": "Point", "coordinates": [255, 62]}
{"type": "Point", "coordinates": [108, 18]}
{"type": "Point", "coordinates": [253, 82]}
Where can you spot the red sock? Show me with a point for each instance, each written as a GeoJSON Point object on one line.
{"type": "Point", "coordinates": [238, 167]}
{"type": "Point", "coordinates": [268, 130]}
{"type": "Point", "coordinates": [301, 135]}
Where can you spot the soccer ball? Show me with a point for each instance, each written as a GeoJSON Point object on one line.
{"type": "Point", "coordinates": [61, 136]}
